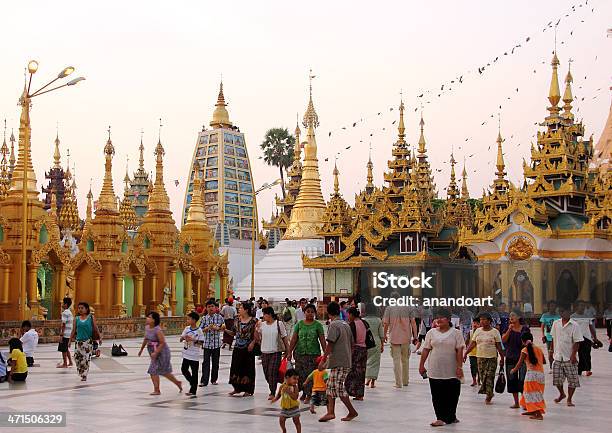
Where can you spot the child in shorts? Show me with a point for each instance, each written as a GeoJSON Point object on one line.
{"type": "Point", "coordinates": [318, 378]}
{"type": "Point", "coordinates": [288, 395]}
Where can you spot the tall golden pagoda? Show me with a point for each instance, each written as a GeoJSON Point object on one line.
{"type": "Point", "coordinates": [399, 175]}
{"type": "Point", "coordinates": [307, 212]}
{"type": "Point", "coordinates": [603, 149]}
{"type": "Point", "coordinates": [139, 186]}
{"type": "Point", "coordinates": [69, 213]}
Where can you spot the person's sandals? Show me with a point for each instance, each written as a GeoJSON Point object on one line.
{"type": "Point", "coordinates": [437, 423]}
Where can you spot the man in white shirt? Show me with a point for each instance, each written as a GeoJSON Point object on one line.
{"type": "Point", "coordinates": [65, 332]}
{"type": "Point", "coordinates": [585, 321]}
{"type": "Point", "coordinates": [299, 311]}
{"type": "Point", "coordinates": [29, 339]}
{"type": "Point", "coordinates": [566, 337]}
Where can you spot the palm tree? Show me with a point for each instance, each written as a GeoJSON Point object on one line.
{"type": "Point", "coordinates": [277, 149]}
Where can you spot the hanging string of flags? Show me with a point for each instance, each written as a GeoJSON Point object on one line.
{"type": "Point", "coordinates": [446, 88]}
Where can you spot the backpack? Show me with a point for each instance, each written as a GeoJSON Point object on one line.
{"type": "Point", "coordinates": [287, 316]}
{"type": "Point", "coordinates": [369, 337]}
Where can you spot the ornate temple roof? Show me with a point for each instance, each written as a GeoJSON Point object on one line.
{"type": "Point", "coordinates": [5, 179]}
{"type": "Point", "coordinates": [127, 214]}
{"type": "Point", "coordinates": [69, 213]}
{"type": "Point", "coordinates": [56, 177]}
{"type": "Point", "coordinates": [107, 202]}
{"type": "Point", "coordinates": [139, 186]}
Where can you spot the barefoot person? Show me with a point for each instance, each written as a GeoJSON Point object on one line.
{"type": "Point", "coordinates": [487, 341]}
{"type": "Point", "coordinates": [288, 395]}
{"type": "Point", "coordinates": [547, 319]}
{"type": "Point", "coordinates": [443, 349]}
{"type": "Point", "coordinates": [532, 398]}
{"type": "Point", "coordinates": [355, 381]}
{"type": "Point", "coordinates": [513, 345]}
{"type": "Point", "coordinates": [338, 356]}
{"type": "Point", "coordinates": [374, 354]}
{"type": "Point", "coordinates": [65, 332]}
{"type": "Point", "coordinates": [274, 342]}
{"type": "Point", "coordinates": [85, 333]}
{"type": "Point", "coordinates": [566, 338]}
{"type": "Point", "coordinates": [242, 369]}
{"type": "Point", "coordinates": [158, 349]}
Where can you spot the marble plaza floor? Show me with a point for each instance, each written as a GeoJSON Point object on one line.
{"type": "Point", "coordinates": [115, 399]}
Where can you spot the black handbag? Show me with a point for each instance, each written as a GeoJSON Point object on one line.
{"type": "Point", "coordinates": [500, 384]}
{"type": "Point", "coordinates": [118, 350]}
{"type": "Point", "coordinates": [369, 340]}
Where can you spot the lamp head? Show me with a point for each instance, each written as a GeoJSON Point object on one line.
{"type": "Point", "coordinates": [76, 80]}
{"type": "Point", "coordinates": [32, 66]}
{"type": "Point", "coordinates": [65, 72]}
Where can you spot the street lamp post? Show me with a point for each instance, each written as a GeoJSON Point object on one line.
{"type": "Point", "coordinates": [255, 217]}
{"type": "Point", "coordinates": [25, 101]}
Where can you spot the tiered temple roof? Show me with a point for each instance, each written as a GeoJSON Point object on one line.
{"type": "Point", "coordinates": [56, 177]}
{"type": "Point", "coordinates": [139, 186]}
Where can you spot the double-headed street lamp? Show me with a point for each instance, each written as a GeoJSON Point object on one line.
{"type": "Point", "coordinates": [262, 188]}
{"type": "Point", "coordinates": [25, 102]}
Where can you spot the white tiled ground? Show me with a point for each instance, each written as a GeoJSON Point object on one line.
{"type": "Point", "coordinates": [115, 399]}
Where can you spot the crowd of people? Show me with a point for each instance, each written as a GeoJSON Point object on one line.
{"type": "Point", "coordinates": [317, 362]}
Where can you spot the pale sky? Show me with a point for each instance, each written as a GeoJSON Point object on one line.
{"type": "Point", "coordinates": [149, 59]}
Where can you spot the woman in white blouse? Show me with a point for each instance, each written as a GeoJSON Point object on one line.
{"type": "Point", "coordinates": [443, 349]}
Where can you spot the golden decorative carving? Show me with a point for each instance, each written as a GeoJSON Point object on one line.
{"type": "Point", "coordinates": [520, 248]}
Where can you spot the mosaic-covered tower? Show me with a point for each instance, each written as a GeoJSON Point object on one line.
{"type": "Point", "coordinates": [228, 183]}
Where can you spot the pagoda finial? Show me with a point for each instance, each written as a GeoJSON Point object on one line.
{"type": "Point", "coordinates": [336, 181]}
{"type": "Point", "coordinates": [370, 176]}
{"type": "Point", "coordinates": [554, 94]}
{"type": "Point", "coordinates": [141, 149]}
{"type": "Point", "coordinates": [127, 179]}
{"type": "Point", "coordinates": [12, 156]}
{"type": "Point", "coordinates": [465, 193]}
{"type": "Point", "coordinates": [501, 166]}
{"type": "Point", "coordinates": [297, 148]}
{"type": "Point", "coordinates": [401, 129]}
{"type": "Point", "coordinates": [159, 200]}
{"type": "Point", "coordinates": [422, 149]}
{"type": "Point", "coordinates": [56, 153]}
{"type": "Point", "coordinates": [568, 98]}
{"type": "Point", "coordinates": [220, 115]}
{"type": "Point", "coordinates": [107, 200]}
{"type": "Point", "coordinates": [196, 211]}
{"type": "Point", "coordinates": [311, 119]}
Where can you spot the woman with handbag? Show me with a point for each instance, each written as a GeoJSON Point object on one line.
{"type": "Point", "coordinates": [242, 370]}
{"type": "Point", "coordinates": [355, 381]}
{"type": "Point", "coordinates": [487, 341]}
{"type": "Point", "coordinates": [514, 345]}
{"type": "Point", "coordinates": [274, 342]}
{"type": "Point", "coordinates": [443, 349]}
{"type": "Point", "coordinates": [158, 349]}
{"type": "Point", "coordinates": [374, 354]}
{"type": "Point", "coordinates": [85, 332]}
{"type": "Point", "coordinates": [307, 342]}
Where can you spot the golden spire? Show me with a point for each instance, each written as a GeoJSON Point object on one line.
{"type": "Point", "coordinates": [297, 148]}
{"type": "Point", "coordinates": [196, 211]}
{"type": "Point", "coordinates": [554, 94]}
{"type": "Point", "coordinates": [220, 115]}
{"type": "Point", "coordinates": [159, 200]}
{"type": "Point", "coordinates": [311, 117]}
{"type": "Point", "coordinates": [401, 129]}
{"type": "Point", "coordinates": [107, 201]}
{"type": "Point", "coordinates": [336, 182]}
{"type": "Point", "coordinates": [501, 166]}
{"type": "Point", "coordinates": [25, 148]}
{"type": "Point", "coordinates": [5, 180]}
{"type": "Point", "coordinates": [127, 214]}
{"type": "Point", "coordinates": [141, 149]}
{"type": "Point", "coordinates": [307, 213]}
{"type": "Point", "coordinates": [465, 193]}
{"type": "Point", "coordinates": [567, 95]}
{"type": "Point", "coordinates": [56, 153]}
{"type": "Point", "coordinates": [422, 149]}
{"type": "Point", "coordinates": [12, 157]}
{"type": "Point", "coordinates": [370, 176]}
{"type": "Point", "coordinates": [88, 212]}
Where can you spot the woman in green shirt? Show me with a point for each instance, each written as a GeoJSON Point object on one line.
{"type": "Point", "coordinates": [84, 332]}
{"type": "Point", "coordinates": [306, 343]}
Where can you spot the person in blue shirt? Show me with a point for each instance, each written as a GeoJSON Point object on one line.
{"type": "Point", "coordinates": [547, 319]}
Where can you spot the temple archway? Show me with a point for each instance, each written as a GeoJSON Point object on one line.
{"type": "Point", "coordinates": [567, 288]}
